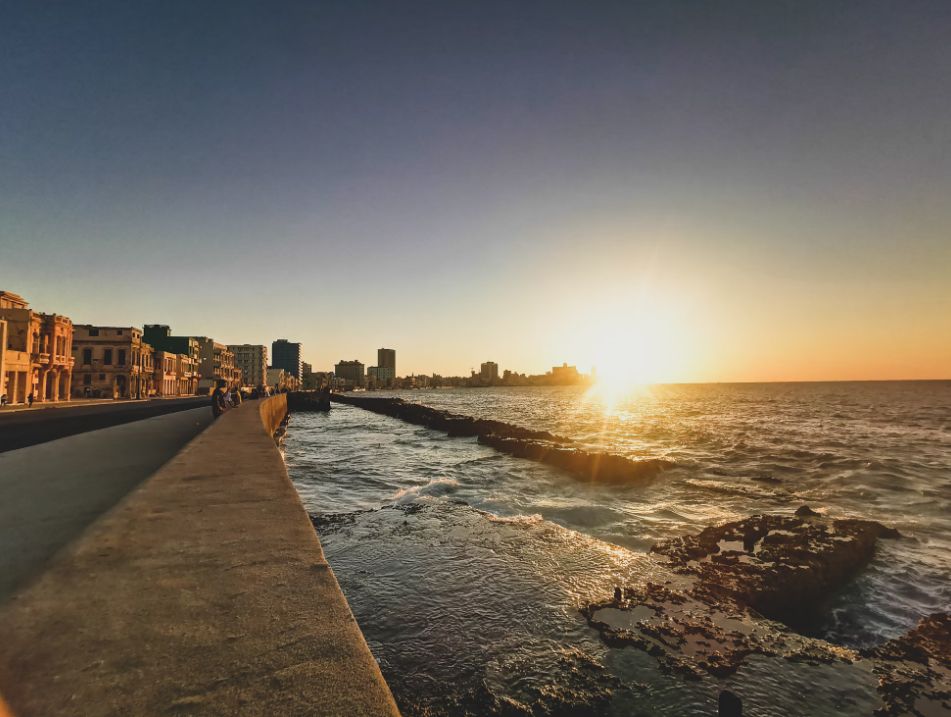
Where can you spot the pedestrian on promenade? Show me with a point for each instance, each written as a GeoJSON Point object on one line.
{"type": "Point", "coordinates": [236, 398]}
{"type": "Point", "coordinates": [29, 399]}
{"type": "Point", "coordinates": [218, 403]}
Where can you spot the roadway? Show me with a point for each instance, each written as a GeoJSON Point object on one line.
{"type": "Point", "coordinates": [51, 492]}
{"type": "Point", "coordinates": [20, 427]}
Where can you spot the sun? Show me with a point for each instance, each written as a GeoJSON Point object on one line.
{"type": "Point", "coordinates": [630, 351]}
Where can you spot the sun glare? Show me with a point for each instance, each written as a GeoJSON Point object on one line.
{"type": "Point", "coordinates": [630, 353]}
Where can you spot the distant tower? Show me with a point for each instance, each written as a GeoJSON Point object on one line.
{"type": "Point", "coordinates": [385, 366]}
{"type": "Point", "coordinates": [489, 371]}
{"type": "Point", "coordinates": [287, 355]}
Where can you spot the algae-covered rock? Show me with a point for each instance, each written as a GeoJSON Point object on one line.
{"type": "Point", "coordinates": [693, 637]}
{"type": "Point", "coordinates": [782, 567]}
{"type": "Point", "coordinates": [914, 670]}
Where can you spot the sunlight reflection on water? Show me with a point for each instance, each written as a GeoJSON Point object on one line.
{"type": "Point", "coordinates": [482, 591]}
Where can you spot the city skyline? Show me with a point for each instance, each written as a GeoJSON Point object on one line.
{"type": "Point", "coordinates": [753, 194]}
{"type": "Point", "coordinates": [464, 367]}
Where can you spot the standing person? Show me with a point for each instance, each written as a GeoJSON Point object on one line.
{"type": "Point", "coordinates": [236, 398]}
{"type": "Point", "coordinates": [29, 399]}
{"type": "Point", "coordinates": [218, 404]}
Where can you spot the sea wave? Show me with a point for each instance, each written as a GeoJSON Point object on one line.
{"type": "Point", "coordinates": [436, 487]}
{"type": "Point", "coordinates": [875, 451]}
{"type": "Point", "coordinates": [532, 519]}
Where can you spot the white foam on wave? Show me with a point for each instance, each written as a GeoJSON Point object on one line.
{"type": "Point", "coordinates": [532, 519]}
{"type": "Point", "coordinates": [434, 488]}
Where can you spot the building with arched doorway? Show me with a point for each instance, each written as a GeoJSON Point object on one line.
{"type": "Point", "coordinates": [37, 352]}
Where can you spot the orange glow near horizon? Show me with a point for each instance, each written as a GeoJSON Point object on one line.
{"type": "Point", "coordinates": [633, 340]}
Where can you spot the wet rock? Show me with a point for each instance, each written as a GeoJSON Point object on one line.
{"type": "Point", "coordinates": [914, 670]}
{"type": "Point", "coordinates": [782, 567]}
{"type": "Point", "coordinates": [597, 467]}
{"type": "Point", "coordinates": [327, 523]}
{"type": "Point", "coordinates": [449, 423]}
{"type": "Point", "coordinates": [540, 446]}
{"type": "Point", "coordinates": [692, 638]}
{"type": "Point", "coordinates": [709, 619]}
{"type": "Point", "coordinates": [805, 511]}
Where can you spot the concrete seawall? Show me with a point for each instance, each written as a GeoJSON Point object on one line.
{"type": "Point", "coordinates": [205, 592]}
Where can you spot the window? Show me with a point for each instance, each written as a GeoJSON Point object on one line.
{"type": "Point", "coordinates": [93, 332]}
{"type": "Point", "coordinates": [87, 357]}
{"type": "Point", "coordinates": [87, 379]}
{"type": "Point", "coordinates": [102, 377]}
{"type": "Point", "coordinates": [107, 357]}
{"type": "Point", "coordinates": [118, 332]}
{"type": "Point", "coordinates": [121, 357]}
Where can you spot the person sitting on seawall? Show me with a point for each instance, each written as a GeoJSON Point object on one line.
{"type": "Point", "coordinates": [218, 403]}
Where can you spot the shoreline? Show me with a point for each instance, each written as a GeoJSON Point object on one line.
{"type": "Point", "coordinates": [210, 579]}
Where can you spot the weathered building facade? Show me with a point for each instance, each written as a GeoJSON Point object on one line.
{"type": "Point", "coordinates": [216, 363]}
{"type": "Point", "coordinates": [252, 360]}
{"type": "Point", "coordinates": [350, 372]}
{"type": "Point", "coordinates": [112, 362]}
{"type": "Point", "coordinates": [159, 337]}
{"type": "Point", "coordinates": [214, 360]}
{"type": "Point", "coordinates": [36, 352]}
{"type": "Point", "coordinates": [175, 374]}
{"type": "Point", "coordinates": [280, 380]}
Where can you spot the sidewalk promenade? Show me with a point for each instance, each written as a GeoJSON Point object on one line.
{"type": "Point", "coordinates": [204, 592]}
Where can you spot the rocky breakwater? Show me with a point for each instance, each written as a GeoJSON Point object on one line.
{"type": "Point", "coordinates": [307, 401]}
{"type": "Point", "coordinates": [541, 446]}
{"type": "Point", "coordinates": [589, 465]}
{"type": "Point", "coordinates": [756, 587]}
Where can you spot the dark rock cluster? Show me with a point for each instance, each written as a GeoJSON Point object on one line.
{"type": "Point", "coordinates": [690, 637]}
{"type": "Point", "coordinates": [540, 446]}
{"type": "Point", "coordinates": [709, 619]}
{"type": "Point", "coordinates": [599, 467]}
{"type": "Point", "coordinates": [914, 670]}
{"type": "Point", "coordinates": [782, 567]}
{"type": "Point", "coordinates": [449, 423]}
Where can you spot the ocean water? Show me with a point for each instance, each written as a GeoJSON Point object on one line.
{"type": "Point", "coordinates": [466, 568]}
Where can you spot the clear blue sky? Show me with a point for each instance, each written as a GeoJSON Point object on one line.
{"type": "Point", "coordinates": [516, 181]}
